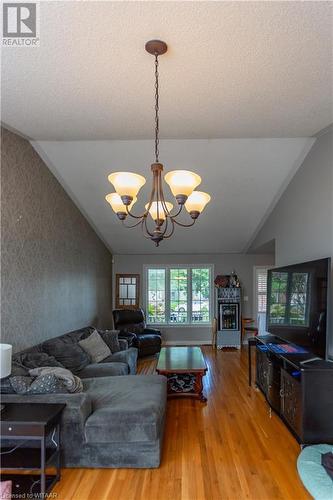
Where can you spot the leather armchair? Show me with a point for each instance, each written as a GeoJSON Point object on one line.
{"type": "Point", "coordinates": [132, 326]}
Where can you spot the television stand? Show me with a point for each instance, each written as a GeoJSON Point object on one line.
{"type": "Point", "coordinates": [298, 386]}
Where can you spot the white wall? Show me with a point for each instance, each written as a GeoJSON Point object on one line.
{"type": "Point", "coordinates": [223, 264]}
{"type": "Point", "coordinates": [302, 221]}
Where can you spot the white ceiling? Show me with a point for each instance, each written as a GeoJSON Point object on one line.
{"type": "Point", "coordinates": [233, 69]}
{"type": "Point", "coordinates": [243, 176]}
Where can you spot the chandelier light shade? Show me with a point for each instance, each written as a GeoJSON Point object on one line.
{"type": "Point", "coordinates": [157, 210]}
{"type": "Point", "coordinates": [127, 184]}
{"type": "Point", "coordinates": [197, 201]}
{"type": "Point", "coordinates": [181, 182]}
{"type": "Point", "coordinates": [117, 203]}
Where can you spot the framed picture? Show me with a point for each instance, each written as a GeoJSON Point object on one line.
{"type": "Point", "coordinates": [127, 291]}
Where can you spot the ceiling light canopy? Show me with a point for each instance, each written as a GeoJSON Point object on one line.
{"type": "Point", "coordinates": [181, 182]}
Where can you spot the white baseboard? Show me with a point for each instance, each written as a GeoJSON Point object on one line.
{"type": "Point", "coordinates": [186, 342]}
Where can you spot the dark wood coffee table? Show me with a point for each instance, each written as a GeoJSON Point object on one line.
{"type": "Point", "coordinates": [184, 368]}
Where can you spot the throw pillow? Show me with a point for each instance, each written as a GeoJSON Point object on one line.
{"type": "Point", "coordinates": [95, 347]}
{"type": "Point", "coordinates": [45, 384]}
{"type": "Point", "coordinates": [110, 337]}
{"type": "Point", "coordinates": [71, 356]}
{"type": "Point", "coordinates": [35, 359]}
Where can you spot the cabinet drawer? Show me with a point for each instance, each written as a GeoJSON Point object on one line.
{"type": "Point", "coordinates": [11, 430]}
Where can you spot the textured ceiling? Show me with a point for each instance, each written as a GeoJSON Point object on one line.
{"type": "Point", "coordinates": [243, 176]}
{"type": "Point", "coordinates": [233, 69]}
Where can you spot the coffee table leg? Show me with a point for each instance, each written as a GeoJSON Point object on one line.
{"type": "Point", "coordinates": [199, 388]}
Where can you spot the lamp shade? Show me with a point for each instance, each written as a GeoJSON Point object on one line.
{"type": "Point", "coordinates": [117, 204]}
{"type": "Point", "coordinates": [197, 201]}
{"type": "Point", "coordinates": [127, 183]}
{"type": "Point", "coordinates": [161, 213]}
{"type": "Point", "coordinates": [5, 360]}
{"type": "Point", "coordinates": [182, 182]}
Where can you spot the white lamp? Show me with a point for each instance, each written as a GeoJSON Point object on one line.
{"type": "Point", "coordinates": [5, 360]}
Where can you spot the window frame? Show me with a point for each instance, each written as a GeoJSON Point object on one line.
{"type": "Point", "coordinates": [189, 267]}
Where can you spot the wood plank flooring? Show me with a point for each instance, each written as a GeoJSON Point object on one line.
{"type": "Point", "coordinates": [229, 448]}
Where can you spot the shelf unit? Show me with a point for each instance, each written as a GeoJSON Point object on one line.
{"type": "Point", "coordinates": [228, 310]}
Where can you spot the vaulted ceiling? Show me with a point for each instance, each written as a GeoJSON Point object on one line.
{"type": "Point", "coordinates": [244, 86]}
{"type": "Point", "coordinates": [233, 69]}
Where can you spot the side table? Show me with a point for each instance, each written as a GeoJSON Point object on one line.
{"type": "Point", "coordinates": [252, 342]}
{"type": "Point", "coordinates": [30, 440]}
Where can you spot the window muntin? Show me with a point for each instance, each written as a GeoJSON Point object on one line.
{"type": "Point", "coordinates": [186, 292]}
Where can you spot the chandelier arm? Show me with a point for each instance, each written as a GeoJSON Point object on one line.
{"type": "Point", "coordinates": [166, 236]}
{"type": "Point", "coordinates": [166, 226]}
{"type": "Point", "coordinates": [177, 213]}
{"type": "Point", "coordinates": [134, 216]}
{"type": "Point", "coordinates": [158, 188]}
{"type": "Point", "coordinates": [133, 225]}
{"type": "Point", "coordinates": [146, 228]}
{"type": "Point", "coordinates": [168, 213]}
{"type": "Point", "coordinates": [143, 229]}
{"type": "Point", "coordinates": [183, 225]}
{"type": "Point", "coordinates": [145, 213]}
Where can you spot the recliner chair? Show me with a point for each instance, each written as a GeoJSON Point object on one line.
{"type": "Point", "coordinates": [132, 326]}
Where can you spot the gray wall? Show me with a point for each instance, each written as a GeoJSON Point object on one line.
{"type": "Point", "coordinates": [223, 264]}
{"type": "Point", "coordinates": [56, 272]}
{"type": "Point", "coordinates": [302, 221]}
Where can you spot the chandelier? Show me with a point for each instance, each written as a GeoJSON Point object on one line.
{"type": "Point", "coordinates": [181, 182]}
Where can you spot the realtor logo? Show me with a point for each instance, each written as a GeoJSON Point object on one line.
{"type": "Point", "coordinates": [20, 24]}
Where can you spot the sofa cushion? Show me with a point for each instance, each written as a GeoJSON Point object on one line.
{"type": "Point", "coordinates": [95, 346]}
{"type": "Point", "coordinates": [129, 356]}
{"type": "Point", "coordinates": [71, 356]}
{"type": "Point", "coordinates": [104, 370]}
{"type": "Point", "coordinates": [110, 337]}
{"type": "Point", "coordinates": [126, 408]}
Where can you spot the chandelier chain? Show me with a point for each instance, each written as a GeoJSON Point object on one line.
{"type": "Point", "coordinates": [157, 128]}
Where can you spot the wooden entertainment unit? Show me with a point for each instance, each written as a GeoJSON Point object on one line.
{"type": "Point", "coordinates": [298, 387]}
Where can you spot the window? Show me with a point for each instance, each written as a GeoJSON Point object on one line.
{"type": "Point", "coordinates": [178, 295]}
{"type": "Point", "coordinates": [261, 297]}
{"type": "Point", "coordinates": [156, 295]}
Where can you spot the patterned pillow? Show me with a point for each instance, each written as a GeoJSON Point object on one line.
{"type": "Point", "coordinates": [110, 337]}
{"type": "Point", "coordinates": [95, 347]}
{"type": "Point", "coordinates": [45, 384]}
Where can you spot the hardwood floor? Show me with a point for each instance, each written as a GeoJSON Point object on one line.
{"type": "Point", "coordinates": [228, 448]}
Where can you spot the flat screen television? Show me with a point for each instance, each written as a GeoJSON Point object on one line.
{"type": "Point", "coordinates": [298, 304]}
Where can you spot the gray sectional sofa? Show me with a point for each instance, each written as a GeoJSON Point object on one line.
{"type": "Point", "coordinates": [118, 419]}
